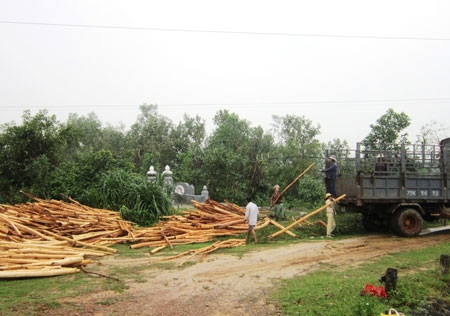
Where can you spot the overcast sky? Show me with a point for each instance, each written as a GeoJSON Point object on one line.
{"type": "Point", "coordinates": [341, 64]}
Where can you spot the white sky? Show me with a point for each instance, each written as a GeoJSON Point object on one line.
{"type": "Point", "coordinates": [341, 64]}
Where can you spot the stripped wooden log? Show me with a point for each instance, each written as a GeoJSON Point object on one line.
{"type": "Point", "coordinates": [14, 274]}
{"type": "Point", "coordinates": [304, 218]}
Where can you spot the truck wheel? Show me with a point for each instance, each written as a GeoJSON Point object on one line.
{"type": "Point", "coordinates": [407, 222]}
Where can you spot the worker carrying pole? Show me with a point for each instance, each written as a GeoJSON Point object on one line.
{"type": "Point", "coordinates": [276, 198]}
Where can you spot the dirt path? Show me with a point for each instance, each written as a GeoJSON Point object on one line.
{"type": "Point", "coordinates": [226, 285]}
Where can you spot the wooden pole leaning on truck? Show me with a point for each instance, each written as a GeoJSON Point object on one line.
{"type": "Point", "coordinates": [304, 218]}
{"type": "Point", "coordinates": [292, 183]}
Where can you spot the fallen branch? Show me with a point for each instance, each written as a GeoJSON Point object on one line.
{"type": "Point", "coordinates": [99, 274]}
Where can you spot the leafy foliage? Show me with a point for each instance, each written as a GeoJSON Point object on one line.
{"type": "Point", "coordinates": [297, 148]}
{"type": "Point", "coordinates": [138, 200]}
{"type": "Point", "coordinates": [310, 191]}
{"type": "Point", "coordinates": [229, 159]}
{"type": "Point", "coordinates": [81, 158]}
{"type": "Point", "coordinates": [388, 130]}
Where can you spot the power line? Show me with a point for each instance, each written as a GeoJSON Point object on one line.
{"type": "Point", "coordinates": [226, 104]}
{"type": "Point", "coordinates": [225, 32]}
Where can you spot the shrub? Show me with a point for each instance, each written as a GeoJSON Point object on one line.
{"type": "Point", "coordinates": [138, 200]}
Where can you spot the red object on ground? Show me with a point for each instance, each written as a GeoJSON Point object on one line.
{"type": "Point", "coordinates": [375, 290]}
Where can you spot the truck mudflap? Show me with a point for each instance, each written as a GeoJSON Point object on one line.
{"type": "Point", "coordinates": [445, 212]}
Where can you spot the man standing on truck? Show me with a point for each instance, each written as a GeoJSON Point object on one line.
{"type": "Point", "coordinates": [330, 176]}
{"type": "Point", "coordinates": [380, 167]}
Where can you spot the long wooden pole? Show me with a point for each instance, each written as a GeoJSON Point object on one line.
{"type": "Point", "coordinates": [282, 227]}
{"type": "Point", "coordinates": [303, 218]}
{"type": "Point", "coordinates": [293, 182]}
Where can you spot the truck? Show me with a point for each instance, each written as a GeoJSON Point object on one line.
{"type": "Point", "coordinates": [396, 186]}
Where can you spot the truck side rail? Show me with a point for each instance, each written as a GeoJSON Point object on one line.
{"type": "Point", "coordinates": [412, 172]}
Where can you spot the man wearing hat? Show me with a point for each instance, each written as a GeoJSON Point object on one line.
{"type": "Point", "coordinates": [330, 176]}
{"type": "Point", "coordinates": [331, 212]}
{"type": "Point", "coordinates": [276, 200]}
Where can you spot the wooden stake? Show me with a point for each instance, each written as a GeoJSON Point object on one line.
{"type": "Point", "coordinates": [445, 263]}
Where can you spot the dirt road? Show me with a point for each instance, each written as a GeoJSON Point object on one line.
{"type": "Point", "coordinates": [225, 285]}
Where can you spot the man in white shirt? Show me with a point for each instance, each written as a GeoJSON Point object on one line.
{"type": "Point", "coordinates": [251, 215]}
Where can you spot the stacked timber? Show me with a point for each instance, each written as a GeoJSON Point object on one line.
{"type": "Point", "coordinates": [51, 237]}
{"type": "Point", "coordinates": [207, 221]}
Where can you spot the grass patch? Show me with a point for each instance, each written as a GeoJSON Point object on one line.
{"type": "Point", "coordinates": [332, 292]}
{"type": "Point", "coordinates": [32, 296]}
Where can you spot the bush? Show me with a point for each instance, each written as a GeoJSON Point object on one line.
{"type": "Point", "coordinates": [311, 191]}
{"type": "Point", "coordinates": [138, 200]}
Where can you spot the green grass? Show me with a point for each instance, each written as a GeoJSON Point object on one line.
{"type": "Point", "coordinates": [31, 296]}
{"type": "Point", "coordinates": [337, 292]}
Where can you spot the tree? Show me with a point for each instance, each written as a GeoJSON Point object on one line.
{"type": "Point", "coordinates": [188, 138]}
{"type": "Point", "coordinates": [34, 144]}
{"type": "Point", "coordinates": [261, 146]}
{"type": "Point", "coordinates": [387, 132]}
{"type": "Point", "coordinates": [151, 135]}
{"type": "Point", "coordinates": [432, 133]}
{"type": "Point", "coordinates": [230, 158]}
{"type": "Point", "coordinates": [297, 148]}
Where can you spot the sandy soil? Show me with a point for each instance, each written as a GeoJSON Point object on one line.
{"type": "Point", "coordinates": [225, 285]}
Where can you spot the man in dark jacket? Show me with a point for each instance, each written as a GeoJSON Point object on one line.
{"type": "Point", "coordinates": [330, 176]}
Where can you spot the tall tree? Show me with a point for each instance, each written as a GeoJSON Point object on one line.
{"type": "Point", "coordinates": [298, 146]}
{"type": "Point", "coordinates": [432, 133]}
{"type": "Point", "coordinates": [388, 131]}
{"type": "Point", "coordinates": [227, 158]}
{"type": "Point", "coordinates": [27, 153]}
{"type": "Point", "coordinates": [188, 139]}
{"type": "Point", "coordinates": [150, 137]}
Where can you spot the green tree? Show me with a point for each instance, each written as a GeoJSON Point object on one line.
{"type": "Point", "coordinates": [229, 158]}
{"type": "Point", "coordinates": [261, 146]}
{"type": "Point", "coordinates": [89, 151]}
{"type": "Point", "coordinates": [85, 134]}
{"type": "Point", "coordinates": [34, 144]}
{"type": "Point", "coordinates": [151, 135]}
{"type": "Point", "coordinates": [188, 138]}
{"type": "Point", "coordinates": [297, 148]}
{"type": "Point", "coordinates": [81, 176]}
{"type": "Point", "coordinates": [388, 131]}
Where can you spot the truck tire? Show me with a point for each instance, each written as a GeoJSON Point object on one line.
{"type": "Point", "coordinates": [407, 222]}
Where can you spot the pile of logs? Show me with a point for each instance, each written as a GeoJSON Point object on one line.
{"type": "Point", "coordinates": [207, 221]}
{"type": "Point", "coordinates": [51, 237]}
